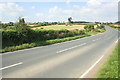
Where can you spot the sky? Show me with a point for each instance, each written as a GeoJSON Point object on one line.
{"type": "Point", "coordinates": [54, 11]}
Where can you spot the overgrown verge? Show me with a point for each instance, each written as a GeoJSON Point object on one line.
{"type": "Point", "coordinates": [110, 69]}
{"type": "Point", "coordinates": [40, 43]}
{"type": "Point", "coordinates": [14, 38]}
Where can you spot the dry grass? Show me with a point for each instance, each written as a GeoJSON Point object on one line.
{"type": "Point", "coordinates": [59, 27]}
{"type": "Point", "coordinates": [116, 25]}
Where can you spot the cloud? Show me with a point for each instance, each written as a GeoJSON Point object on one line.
{"type": "Point", "coordinates": [10, 12]}
{"type": "Point", "coordinates": [55, 10]}
{"type": "Point", "coordinates": [39, 14]}
{"type": "Point", "coordinates": [10, 9]}
{"type": "Point", "coordinates": [33, 7]}
{"type": "Point", "coordinates": [94, 3]}
{"type": "Point", "coordinates": [26, 17]}
{"type": "Point", "coordinates": [101, 11]}
{"type": "Point", "coordinates": [92, 11]}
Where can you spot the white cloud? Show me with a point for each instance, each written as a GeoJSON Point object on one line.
{"type": "Point", "coordinates": [10, 9]}
{"type": "Point", "coordinates": [94, 11]}
{"type": "Point", "coordinates": [55, 10]}
{"type": "Point", "coordinates": [10, 12]}
{"type": "Point", "coordinates": [94, 3]}
{"type": "Point", "coordinates": [101, 12]}
{"type": "Point", "coordinates": [39, 14]}
{"type": "Point", "coordinates": [26, 17]}
{"type": "Point", "coordinates": [33, 7]}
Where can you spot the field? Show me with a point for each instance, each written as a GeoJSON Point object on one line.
{"type": "Point", "coordinates": [60, 27]}
{"type": "Point", "coordinates": [116, 25]}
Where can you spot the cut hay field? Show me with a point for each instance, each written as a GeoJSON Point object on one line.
{"type": "Point", "coordinates": [116, 25]}
{"type": "Point", "coordinates": [59, 27]}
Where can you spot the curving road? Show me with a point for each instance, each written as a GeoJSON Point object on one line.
{"type": "Point", "coordinates": [71, 59]}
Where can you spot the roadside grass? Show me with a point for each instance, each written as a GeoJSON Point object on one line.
{"type": "Point", "coordinates": [41, 43]}
{"type": "Point", "coordinates": [110, 68]}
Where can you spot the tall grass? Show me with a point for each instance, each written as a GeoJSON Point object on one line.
{"type": "Point", "coordinates": [13, 37]}
{"type": "Point", "coordinates": [40, 43]}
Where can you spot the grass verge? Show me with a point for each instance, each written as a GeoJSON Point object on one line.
{"type": "Point", "coordinates": [110, 68]}
{"type": "Point", "coordinates": [41, 43]}
{"type": "Point", "coordinates": [46, 42]}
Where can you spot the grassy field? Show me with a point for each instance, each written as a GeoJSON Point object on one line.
{"type": "Point", "coordinates": [59, 27]}
{"type": "Point", "coordinates": [110, 68]}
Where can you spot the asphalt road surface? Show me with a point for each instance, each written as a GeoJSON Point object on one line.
{"type": "Point", "coordinates": [71, 59]}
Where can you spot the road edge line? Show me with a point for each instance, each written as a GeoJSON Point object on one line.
{"type": "Point", "coordinates": [86, 72]}
{"type": "Point", "coordinates": [11, 66]}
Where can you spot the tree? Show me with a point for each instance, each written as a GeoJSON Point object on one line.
{"type": "Point", "coordinates": [4, 26]}
{"type": "Point", "coordinates": [11, 24]}
{"type": "Point", "coordinates": [21, 20]}
{"type": "Point", "coordinates": [23, 30]}
{"type": "Point", "coordinates": [21, 26]}
{"type": "Point", "coordinates": [70, 20]}
{"type": "Point", "coordinates": [89, 27]}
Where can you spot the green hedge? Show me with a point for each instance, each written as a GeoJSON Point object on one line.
{"type": "Point", "coordinates": [40, 43]}
{"type": "Point", "coordinates": [13, 37]}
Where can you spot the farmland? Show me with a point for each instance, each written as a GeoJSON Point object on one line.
{"type": "Point", "coordinates": [60, 27]}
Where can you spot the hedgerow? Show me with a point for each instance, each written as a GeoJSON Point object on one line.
{"type": "Point", "coordinates": [13, 37]}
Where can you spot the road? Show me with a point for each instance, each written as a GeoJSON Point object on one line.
{"type": "Point", "coordinates": [71, 59]}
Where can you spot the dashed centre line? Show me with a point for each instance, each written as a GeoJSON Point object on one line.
{"type": "Point", "coordinates": [71, 48]}
{"type": "Point", "coordinates": [96, 39]}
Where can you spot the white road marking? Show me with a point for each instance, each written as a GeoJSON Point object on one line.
{"type": "Point", "coordinates": [96, 39]}
{"type": "Point", "coordinates": [84, 74]}
{"type": "Point", "coordinates": [71, 48]}
{"type": "Point", "coordinates": [116, 41]}
{"type": "Point", "coordinates": [93, 40]}
{"type": "Point", "coordinates": [11, 66]}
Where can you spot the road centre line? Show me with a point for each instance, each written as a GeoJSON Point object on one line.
{"type": "Point", "coordinates": [85, 73]}
{"type": "Point", "coordinates": [11, 66]}
{"type": "Point", "coordinates": [116, 41]}
{"type": "Point", "coordinates": [96, 39]}
{"type": "Point", "coordinates": [71, 48]}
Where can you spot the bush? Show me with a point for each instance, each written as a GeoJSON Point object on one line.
{"type": "Point", "coordinates": [40, 43]}
{"type": "Point", "coordinates": [89, 27]}
{"type": "Point", "coordinates": [101, 26]}
{"type": "Point", "coordinates": [13, 37]}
